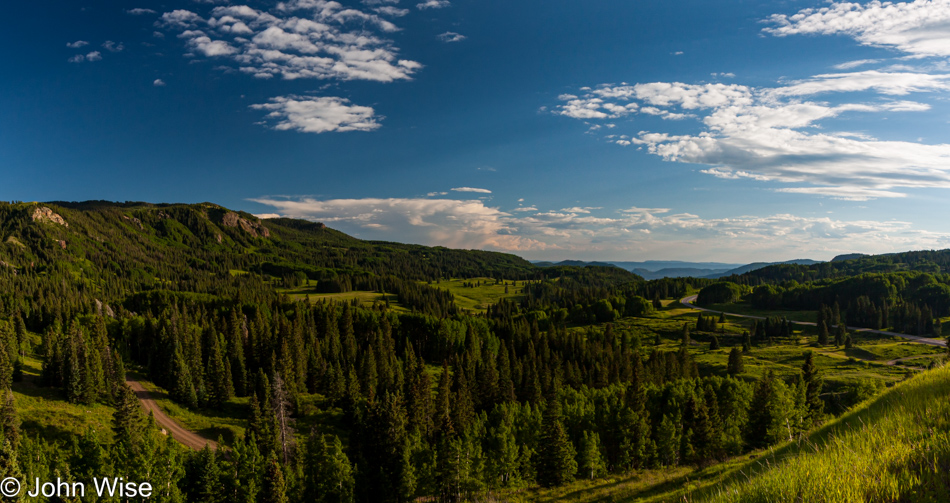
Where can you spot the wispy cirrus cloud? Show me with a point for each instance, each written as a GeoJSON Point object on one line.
{"type": "Point", "coordinates": [471, 189]}
{"type": "Point", "coordinates": [138, 11]}
{"type": "Point", "coordinates": [77, 44]}
{"type": "Point", "coordinates": [607, 234]}
{"type": "Point", "coordinates": [318, 114]}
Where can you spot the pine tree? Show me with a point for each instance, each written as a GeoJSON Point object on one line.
{"type": "Point", "coordinates": [9, 422]}
{"type": "Point", "coordinates": [274, 489]}
{"type": "Point", "coordinates": [822, 333]}
{"type": "Point", "coordinates": [328, 474]}
{"type": "Point", "coordinates": [128, 427]}
{"type": "Point", "coordinates": [203, 477]}
{"type": "Point", "coordinates": [668, 442]}
{"type": "Point", "coordinates": [746, 342]}
{"type": "Point", "coordinates": [6, 370]}
{"type": "Point", "coordinates": [556, 463]}
{"type": "Point", "coordinates": [848, 342]}
{"type": "Point", "coordinates": [735, 365]}
{"type": "Point", "coordinates": [714, 344]}
{"type": "Point", "coordinates": [812, 382]}
{"type": "Point", "coordinates": [220, 388]}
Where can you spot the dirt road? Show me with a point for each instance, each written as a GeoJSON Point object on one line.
{"type": "Point", "coordinates": [179, 433]}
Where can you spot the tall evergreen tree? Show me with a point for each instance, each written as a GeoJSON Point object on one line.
{"type": "Point", "coordinates": [556, 463]}
{"type": "Point", "coordinates": [811, 380]}
{"type": "Point", "coordinates": [735, 365]}
{"type": "Point", "coordinates": [274, 489]}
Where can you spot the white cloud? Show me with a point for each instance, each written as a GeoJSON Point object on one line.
{"type": "Point", "coordinates": [433, 4]}
{"type": "Point", "coordinates": [180, 19]}
{"type": "Point", "coordinates": [140, 11]}
{"type": "Point", "coordinates": [79, 58]}
{"type": "Point", "coordinates": [388, 10]}
{"type": "Point", "coordinates": [525, 208]}
{"type": "Point", "coordinates": [77, 44]}
{"type": "Point", "coordinates": [297, 39]}
{"type": "Point", "coordinates": [451, 36]}
{"type": "Point", "coordinates": [471, 189]}
{"type": "Point", "coordinates": [158, 83]}
{"type": "Point", "coordinates": [890, 83]}
{"type": "Point", "coordinates": [318, 114]}
{"type": "Point", "coordinates": [94, 56]}
{"type": "Point", "coordinates": [433, 194]}
{"type": "Point", "coordinates": [917, 28]}
{"type": "Point", "coordinates": [774, 134]}
{"type": "Point", "coordinates": [444, 222]}
{"type": "Point", "coordinates": [640, 231]}
{"type": "Point", "coordinates": [848, 65]}
{"type": "Point", "coordinates": [112, 46]}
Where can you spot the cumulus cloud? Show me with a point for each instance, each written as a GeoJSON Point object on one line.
{"type": "Point", "coordinates": [433, 4]}
{"type": "Point", "coordinates": [158, 83]}
{"type": "Point", "coordinates": [451, 36]}
{"type": "Point", "coordinates": [445, 222]}
{"type": "Point", "coordinates": [297, 39]}
{"type": "Point", "coordinates": [774, 134]}
{"type": "Point", "coordinates": [471, 189]}
{"type": "Point", "coordinates": [113, 46]}
{"type": "Point", "coordinates": [77, 44]}
{"type": "Point", "coordinates": [318, 114]}
{"type": "Point", "coordinates": [917, 28]}
{"type": "Point", "coordinates": [645, 231]}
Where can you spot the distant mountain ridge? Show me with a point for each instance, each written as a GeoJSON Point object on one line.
{"type": "Point", "coordinates": [656, 269]}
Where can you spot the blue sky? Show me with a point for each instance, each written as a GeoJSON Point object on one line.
{"type": "Point", "coordinates": [732, 131]}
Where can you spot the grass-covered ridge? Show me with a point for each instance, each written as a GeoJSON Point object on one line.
{"type": "Point", "coordinates": [895, 447]}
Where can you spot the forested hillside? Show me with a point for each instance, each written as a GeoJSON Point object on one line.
{"type": "Point", "coordinates": [904, 292]}
{"type": "Point", "coordinates": [579, 373]}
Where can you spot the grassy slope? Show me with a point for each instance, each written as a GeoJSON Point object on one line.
{"type": "Point", "coordinates": [894, 447]}
{"type": "Point", "coordinates": [44, 412]}
{"type": "Point", "coordinates": [480, 297]}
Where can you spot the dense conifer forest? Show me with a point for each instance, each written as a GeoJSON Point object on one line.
{"type": "Point", "coordinates": [349, 401]}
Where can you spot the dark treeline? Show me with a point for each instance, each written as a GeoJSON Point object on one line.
{"type": "Point", "coordinates": [907, 302]}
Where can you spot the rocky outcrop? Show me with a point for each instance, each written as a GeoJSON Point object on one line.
{"type": "Point", "coordinates": [44, 214]}
{"type": "Point", "coordinates": [136, 222]}
{"type": "Point", "coordinates": [232, 219]}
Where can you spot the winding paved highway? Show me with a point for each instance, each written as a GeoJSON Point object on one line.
{"type": "Point", "coordinates": [690, 302]}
